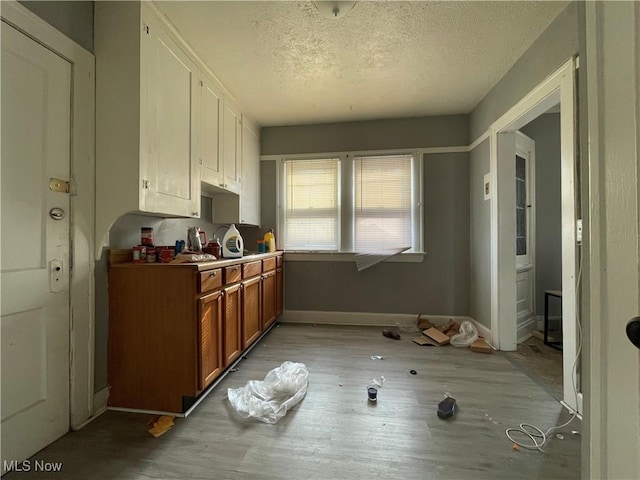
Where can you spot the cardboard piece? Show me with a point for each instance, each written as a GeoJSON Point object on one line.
{"type": "Point", "coordinates": [481, 346]}
{"type": "Point", "coordinates": [424, 324]}
{"type": "Point", "coordinates": [422, 341]}
{"type": "Point", "coordinates": [436, 335]}
{"type": "Point", "coordinates": [161, 424]}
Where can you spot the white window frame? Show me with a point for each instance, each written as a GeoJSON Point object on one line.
{"type": "Point", "coordinates": [346, 252]}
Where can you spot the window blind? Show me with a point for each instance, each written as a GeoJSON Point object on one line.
{"type": "Point", "coordinates": [311, 206]}
{"type": "Point", "coordinates": [382, 202]}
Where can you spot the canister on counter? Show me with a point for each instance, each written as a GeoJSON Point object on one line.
{"type": "Point", "coordinates": [139, 254]}
{"type": "Point", "coordinates": [151, 255]}
{"type": "Point", "coordinates": [146, 236]}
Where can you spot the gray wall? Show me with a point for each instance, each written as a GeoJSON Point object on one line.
{"type": "Point", "coordinates": [480, 233]}
{"type": "Point", "coordinates": [442, 131]}
{"type": "Point", "coordinates": [74, 19]}
{"type": "Point", "coordinates": [554, 47]}
{"type": "Point", "coordinates": [440, 284]}
{"type": "Point", "coordinates": [545, 131]}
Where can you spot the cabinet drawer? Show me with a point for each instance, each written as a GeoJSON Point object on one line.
{"type": "Point", "coordinates": [232, 274]}
{"type": "Point", "coordinates": [269, 264]}
{"type": "Point", "coordinates": [251, 269]}
{"type": "Point", "coordinates": [210, 280]}
{"type": "Point", "coordinates": [279, 260]}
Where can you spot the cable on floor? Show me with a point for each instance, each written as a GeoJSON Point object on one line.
{"type": "Point", "coordinates": [537, 437]}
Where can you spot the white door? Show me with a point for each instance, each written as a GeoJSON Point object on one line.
{"type": "Point", "coordinates": [34, 323]}
{"type": "Point", "coordinates": [525, 161]}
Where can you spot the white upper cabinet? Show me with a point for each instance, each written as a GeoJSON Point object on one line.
{"type": "Point", "coordinates": [250, 193]}
{"type": "Point", "coordinates": [232, 146]}
{"type": "Point", "coordinates": [147, 90]}
{"type": "Point", "coordinates": [211, 104]}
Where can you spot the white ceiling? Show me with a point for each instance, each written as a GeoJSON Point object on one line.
{"type": "Point", "coordinates": [288, 65]}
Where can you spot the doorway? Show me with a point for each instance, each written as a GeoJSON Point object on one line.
{"type": "Point", "coordinates": [557, 89]}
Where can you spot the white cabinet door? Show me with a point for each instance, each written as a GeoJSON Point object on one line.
{"type": "Point", "coordinates": [232, 146]}
{"type": "Point", "coordinates": [211, 105]}
{"type": "Point", "coordinates": [250, 193]}
{"type": "Point", "coordinates": [171, 168]}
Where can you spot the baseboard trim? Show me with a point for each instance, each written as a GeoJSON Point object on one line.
{"type": "Point", "coordinates": [363, 318]}
{"type": "Point", "coordinates": [484, 332]}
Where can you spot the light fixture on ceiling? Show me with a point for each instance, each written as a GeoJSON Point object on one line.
{"type": "Point", "coordinates": [330, 9]}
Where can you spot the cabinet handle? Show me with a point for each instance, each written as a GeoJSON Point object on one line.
{"type": "Point", "coordinates": [213, 274]}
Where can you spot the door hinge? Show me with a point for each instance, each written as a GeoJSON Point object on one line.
{"type": "Point", "coordinates": [145, 184]}
{"type": "Point", "coordinates": [59, 185]}
{"type": "Point", "coordinates": [200, 162]}
{"type": "Point", "coordinates": [145, 28]}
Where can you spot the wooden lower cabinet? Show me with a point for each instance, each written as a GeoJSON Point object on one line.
{"type": "Point", "coordinates": [209, 338]}
{"type": "Point", "coordinates": [251, 311]}
{"type": "Point", "coordinates": [232, 344]}
{"type": "Point", "coordinates": [174, 329]}
{"type": "Point", "coordinates": [268, 298]}
{"type": "Point", "coordinates": [279, 292]}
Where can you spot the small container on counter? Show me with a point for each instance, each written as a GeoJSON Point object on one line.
{"type": "Point", "coordinates": [262, 246]}
{"type": "Point", "coordinates": [151, 255]}
{"type": "Point", "coordinates": [146, 236]}
{"type": "Point", "coordinates": [139, 254]}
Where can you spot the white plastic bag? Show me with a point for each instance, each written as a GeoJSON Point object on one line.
{"type": "Point", "coordinates": [269, 400]}
{"type": "Point", "coordinates": [468, 334]}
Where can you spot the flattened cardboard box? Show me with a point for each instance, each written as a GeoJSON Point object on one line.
{"type": "Point", "coordinates": [423, 340]}
{"type": "Point", "coordinates": [435, 334]}
{"type": "Point", "coordinates": [481, 346]}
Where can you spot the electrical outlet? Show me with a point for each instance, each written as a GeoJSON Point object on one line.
{"type": "Point", "coordinates": [579, 231]}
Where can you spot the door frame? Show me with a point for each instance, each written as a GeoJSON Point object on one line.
{"type": "Point", "coordinates": [559, 87]}
{"type": "Point", "coordinates": [82, 210]}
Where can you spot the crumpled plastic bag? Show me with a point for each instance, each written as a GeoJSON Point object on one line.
{"type": "Point", "coordinates": [468, 334]}
{"type": "Point", "coordinates": [269, 400]}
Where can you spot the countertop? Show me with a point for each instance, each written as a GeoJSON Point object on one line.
{"type": "Point", "coordinates": [202, 265]}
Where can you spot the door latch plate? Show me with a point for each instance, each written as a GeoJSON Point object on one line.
{"type": "Point", "coordinates": [58, 185]}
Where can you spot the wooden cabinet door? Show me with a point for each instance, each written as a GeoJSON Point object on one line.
{"type": "Point", "coordinates": [279, 292]}
{"type": "Point", "coordinates": [268, 298]}
{"type": "Point", "coordinates": [168, 163]}
{"type": "Point", "coordinates": [251, 318]}
{"type": "Point", "coordinates": [209, 339]}
{"type": "Point", "coordinates": [232, 338]}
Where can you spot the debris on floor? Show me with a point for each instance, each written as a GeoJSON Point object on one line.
{"type": "Point", "coordinates": [437, 336]}
{"type": "Point", "coordinates": [466, 335]}
{"type": "Point", "coordinates": [390, 333]}
{"type": "Point", "coordinates": [516, 447]}
{"type": "Point", "coordinates": [377, 357]}
{"type": "Point", "coordinates": [447, 407]}
{"type": "Point", "coordinates": [413, 372]}
{"type": "Point", "coordinates": [269, 400]}
{"type": "Point", "coordinates": [161, 424]}
{"type": "Point", "coordinates": [481, 346]}
{"type": "Point", "coordinates": [423, 323]}
{"type": "Point", "coordinates": [424, 340]}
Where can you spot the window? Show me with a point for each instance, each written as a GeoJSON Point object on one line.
{"type": "Point", "coordinates": [311, 207]}
{"type": "Point", "coordinates": [382, 202]}
{"type": "Point", "coordinates": [352, 203]}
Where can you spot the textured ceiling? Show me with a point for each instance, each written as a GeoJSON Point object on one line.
{"type": "Point", "coordinates": [288, 65]}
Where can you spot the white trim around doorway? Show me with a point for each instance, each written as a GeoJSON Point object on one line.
{"type": "Point", "coordinates": [557, 88]}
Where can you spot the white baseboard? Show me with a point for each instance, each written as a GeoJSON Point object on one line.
{"type": "Point", "coordinates": [484, 332]}
{"type": "Point", "coordinates": [363, 318]}
{"type": "Point", "coordinates": [554, 322]}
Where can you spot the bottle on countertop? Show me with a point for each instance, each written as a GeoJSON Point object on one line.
{"type": "Point", "coordinates": [270, 241]}
{"type": "Point", "coordinates": [232, 243]}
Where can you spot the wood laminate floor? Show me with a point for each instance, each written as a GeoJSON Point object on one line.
{"type": "Point", "coordinates": [335, 433]}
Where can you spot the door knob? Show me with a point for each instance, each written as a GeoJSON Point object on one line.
{"type": "Point", "coordinates": [633, 331]}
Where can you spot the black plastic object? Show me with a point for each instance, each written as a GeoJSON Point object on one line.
{"type": "Point", "coordinates": [633, 331]}
{"type": "Point", "coordinates": [387, 332]}
{"type": "Point", "coordinates": [372, 392]}
{"type": "Point", "coordinates": [413, 372]}
{"type": "Point", "coordinates": [447, 408]}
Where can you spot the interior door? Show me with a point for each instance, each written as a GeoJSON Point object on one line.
{"type": "Point", "coordinates": [524, 159]}
{"type": "Point", "coordinates": [34, 322]}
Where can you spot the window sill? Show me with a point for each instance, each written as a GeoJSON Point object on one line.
{"type": "Point", "coordinates": [347, 257]}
